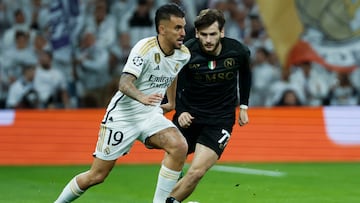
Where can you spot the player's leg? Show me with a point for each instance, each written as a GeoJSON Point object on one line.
{"type": "Point", "coordinates": [175, 147]}
{"type": "Point", "coordinates": [204, 158]}
{"type": "Point", "coordinates": [99, 170]}
{"type": "Point", "coordinates": [173, 143]}
{"type": "Point", "coordinates": [108, 149]}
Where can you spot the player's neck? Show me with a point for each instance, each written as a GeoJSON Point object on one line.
{"type": "Point", "coordinates": [165, 48]}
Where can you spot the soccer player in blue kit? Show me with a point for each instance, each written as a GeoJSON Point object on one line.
{"type": "Point", "coordinates": [209, 86]}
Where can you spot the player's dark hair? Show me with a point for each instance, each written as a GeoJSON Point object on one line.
{"type": "Point", "coordinates": [207, 17]}
{"type": "Point", "coordinates": [166, 11]}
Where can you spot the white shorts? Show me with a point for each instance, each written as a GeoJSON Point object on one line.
{"type": "Point", "coordinates": [116, 138]}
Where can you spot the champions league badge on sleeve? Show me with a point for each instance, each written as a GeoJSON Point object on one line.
{"type": "Point", "coordinates": [138, 61]}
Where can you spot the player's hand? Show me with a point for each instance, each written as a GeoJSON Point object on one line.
{"type": "Point", "coordinates": [185, 119]}
{"type": "Point", "coordinates": [167, 107]}
{"type": "Point", "coordinates": [152, 99]}
{"type": "Point", "coordinates": [243, 117]}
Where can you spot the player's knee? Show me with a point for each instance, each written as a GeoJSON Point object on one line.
{"type": "Point", "coordinates": [179, 148]}
{"type": "Point", "coordinates": [196, 174]}
{"type": "Point", "coordinates": [182, 147]}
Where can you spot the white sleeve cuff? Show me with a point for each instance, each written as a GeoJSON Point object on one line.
{"type": "Point", "coordinates": [243, 106]}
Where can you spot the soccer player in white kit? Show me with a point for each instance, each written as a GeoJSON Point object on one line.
{"type": "Point", "coordinates": [136, 113]}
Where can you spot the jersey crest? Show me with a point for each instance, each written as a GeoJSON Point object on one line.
{"type": "Point", "coordinates": [157, 58]}
{"type": "Point", "coordinates": [229, 63]}
{"type": "Point", "coordinates": [212, 65]}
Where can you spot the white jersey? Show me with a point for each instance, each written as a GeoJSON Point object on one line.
{"type": "Point", "coordinates": [154, 72]}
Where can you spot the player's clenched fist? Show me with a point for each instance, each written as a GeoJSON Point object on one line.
{"type": "Point", "coordinates": [185, 119]}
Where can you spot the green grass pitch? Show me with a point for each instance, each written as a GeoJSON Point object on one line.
{"type": "Point", "coordinates": [301, 183]}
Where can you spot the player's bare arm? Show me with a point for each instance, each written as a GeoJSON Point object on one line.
{"type": "Point", "coordinates": [171, 94]}
{"type": "Point", "coordinates": [126, 86]}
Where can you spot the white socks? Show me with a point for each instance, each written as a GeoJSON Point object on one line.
{"type": "Point", "coordinates": [166, 181]}
{"type": "Point", "coordinates": [70, 192]}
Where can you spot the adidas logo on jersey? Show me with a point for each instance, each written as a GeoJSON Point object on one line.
{"type": "Point", "coordinates": [157, 67]}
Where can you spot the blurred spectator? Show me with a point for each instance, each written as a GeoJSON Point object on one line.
{"type": "Point", "coordinates": [66, 23]}
{"type": "Point", "coordinates": [20, 24]}
{"type": "Point", "coordinates": [92, 70]}
{"type": "Point", "coordinates": [277, 89]}
{"type": "Point", "coordinates": [16, 56]}
{"type": "Point", "coordinates": [273, 58]}
{"type": "Point", "coordinates": [38, 12]}
{"type": "Point", "coordinates": [4, 23]}
{"type": "Point", "coordinates": [289, 97]}
{"type": "Point", "coordinates": [256, 36]}
{"type": "Point", "coordinates": [62, 60]}
{"type": "Point", "coordinates": [250, 6]}
{"type": "Point", "coordinates": [102, 24]}
{"type": "Point", "coordinates": [281, 89]}
{"type": "Point", "coordinates": [118, 54]}
{"type": "Point", "coordinates": [263, 76]}
{"type": "Point", "coordinates": [312, 79]}
{"type": "Point", "coordinates": [237, 25]}
{"type": "Point", "coordinates": [218, 4]}
{"type": "Point", "coordinates": [22, 93]}
{"type": "Point", "coordinates": [50, 83]}
{"type": "Point", "coordinates": [343, 93]}
{"type": "Point", "coordinates": [119, 7]}
{"type": "Point", "coordinates": [40, 43]}
{"type": "Point", "coordinates": [138, 23]}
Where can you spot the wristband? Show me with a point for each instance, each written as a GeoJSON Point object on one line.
{"type": "Point", "coordinates": [242, 106]}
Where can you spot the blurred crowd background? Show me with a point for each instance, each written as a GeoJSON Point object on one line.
{"type": "Point", "coordinates": [51, 57]}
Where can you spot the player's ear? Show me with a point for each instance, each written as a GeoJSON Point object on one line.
{"type": "Point", "coordinates": [222, 33]}
{"type": "Point", "coordinates": [196, 33]}
{"type": "Point", "coordinates": [161, 29]}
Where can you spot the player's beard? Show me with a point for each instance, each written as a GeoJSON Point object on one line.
{"type": "Point", "coordinates": [212, 51]}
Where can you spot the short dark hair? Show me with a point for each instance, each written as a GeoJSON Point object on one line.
{"type": "Point", "coordinates": [207, 17]}
{"type": "Point", "coordinates": [166, 11]}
